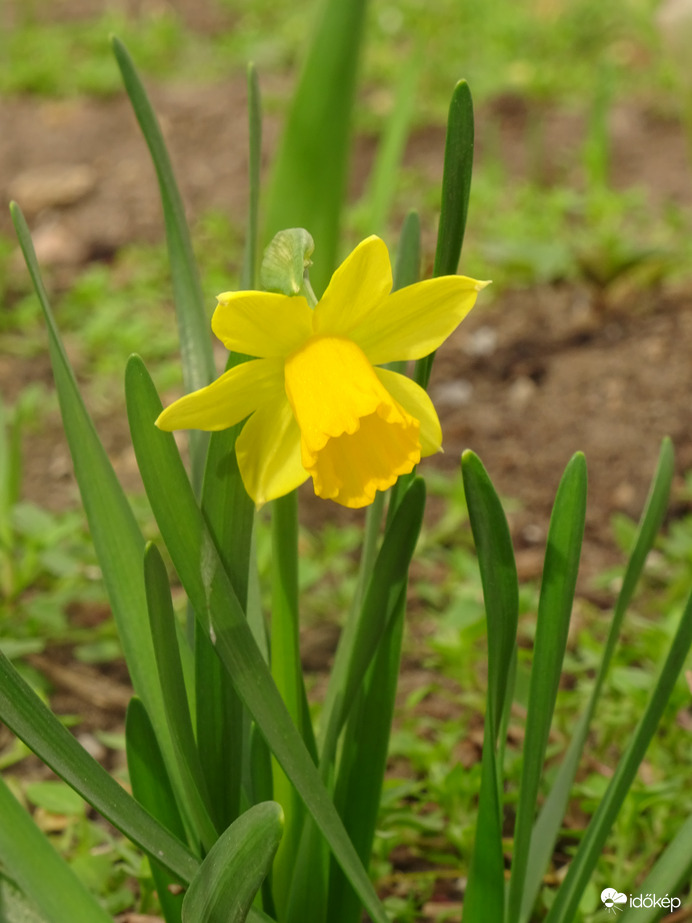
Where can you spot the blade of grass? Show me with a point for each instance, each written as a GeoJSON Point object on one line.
{"type": "Point", "coordinates": [215, 604]}
{"type": "Point", "coordinates": [29, 857]}
{"type": "Point", "coordinates": [560, 569]}
{"type": "Point", "coordinates": [309, 181]}
{"type": "Point", "coordinates": [567, 900]}
{"type": "Point", "coordinates": [34, 723]}
{"type": "Point", "coordinates": [456, 190]}
{"type": "Point", "coordinates": [193, 325]}
{"type": "Point", "coordinates": [224, 888]}
{"type": "Point", "coordinates": [114, 530]}
{"type": "Point", "coordinates": [551, 816]}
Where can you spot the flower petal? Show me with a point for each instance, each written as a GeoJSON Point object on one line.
{"type": "Point", "coordinates": [355, 437]}
{"type": "Point", "coordinates": [417, 403]}
{"type": "Point", "coordinates": [261, 323]}
{"type": "Point", "coordinates": [268, 452]}
{"type": "Point", "coordinates": [228, 400]}
{"type": "Point", "coordinates": [363, 280]}
{"type": "Point", "coordinates": [414, 321]}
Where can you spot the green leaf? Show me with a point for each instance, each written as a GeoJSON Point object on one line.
{"type": "Point", "coordinates": [484, 899]}
{"type": "Point", "coordinates": [361, 771]}
{"type": "Point", "coordinates": [211, 594]}
{"type": "Point", "coordinates": [591, 846]}
{"type": "Point", "coordinates": [311, 168]}
{"type": "Point", "coordinates": [485, 892]}
{"type": "Point", "coordinates": [193, 325]}
{"type": "Point", "coordinates": [163, 632]}
{"type": "Point", "coordinates": [39, 871]}
{"type": "Point", "coordinates": [456, 191]}
{"type": "Point", "coordinates": [551, 817]}
{"type": "Point", "coordinates": [229, 513]}
{"type": "Point", "coordinates": [498, 577]}
{"type": "Point", "coordinates": [560, 569]}
{"type": "Point", "coordinates": [360, 638]}
{"type": "Point", "coordinates": [34, 723]}
{"type": "Point", "coordinates": [114, 530]}
{"type": "Point", "coordinates": [254, 105]}
{"type": "Point", "coordinates": [230, 876]}
{"type": "Point", "coordinates": [287, 673]}
{"type": "Point", "coordinates": [152, 788]}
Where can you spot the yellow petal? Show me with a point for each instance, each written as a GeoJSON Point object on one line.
{"type": "Point", "coordinates": [355, 438]}
{"type": "Point", "coordinates": [268, 452]}
{"type": "Point", "coordinates": [228, 400]}
{"type": "Point", "coordinates": [362, 281]}
{"type": "Point", "coordinates": [416, 320]}
{"type": "Point", "coordinates": [261, 323]}
{"type": "Point", "coordinates": [417, 403]}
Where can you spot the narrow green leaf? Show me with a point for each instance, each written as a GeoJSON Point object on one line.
{"type": "Point", "coordinates": [359, 639]}
{"type": "Point", "coordinates": [114, 530]}
{"type": "Point", "coordinates": [551, 817]}
{"type": "Point", "coordinates": [311, 168]}
{"type": "Point", "coordinates": [485, 892]}
{"type": "Point", "coordinates": [407, 266]}
{"type": "Point", "coordinates": [27, 854]}
{"type": "Point", "coordinates": [193, 326]}
{"type": "Point", "coordinates": [224, 888]}
{"type": "Point", "coordinates": [34, 723]}
{"type": "Point", "coordinates": [591, 846]}
{"type": "Point", "coordinates": [358, 788]}
{"type": "Point", "coordinates": [484, 898]}
{"type": "Point", "coordinates": [287, 673]}
{"type": "Point", "coordinates": [498, 577]}
{"type": "Point", "coordinates": [215, 604]}
{"type": "Point", "coordinates": [254, 105]}
{"type": "Point", "coordinates": [229, 513]}
{"type": "Point", "coordinates": [560, 569]}
{"type": "Point", "coordinates": [163, 632]}
{"type": "Point", "coordinates": [152, 788]}
{"type": "Point", "coordinates": [456, 190]}
{"type": "Point", "coordinates": [668, 877]}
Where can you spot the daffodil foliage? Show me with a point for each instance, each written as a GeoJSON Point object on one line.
{"type": "Point", "coordinates": [319, 403]}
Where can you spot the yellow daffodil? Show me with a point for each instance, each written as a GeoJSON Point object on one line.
{"type": "Point", "coordinates": [318, 404]}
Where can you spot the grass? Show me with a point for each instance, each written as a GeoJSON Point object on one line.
{"type": "Point", "coordinates": [523, 231]}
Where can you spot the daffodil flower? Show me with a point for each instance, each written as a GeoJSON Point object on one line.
{"type": "Point", "coordinates": [318, 403]}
